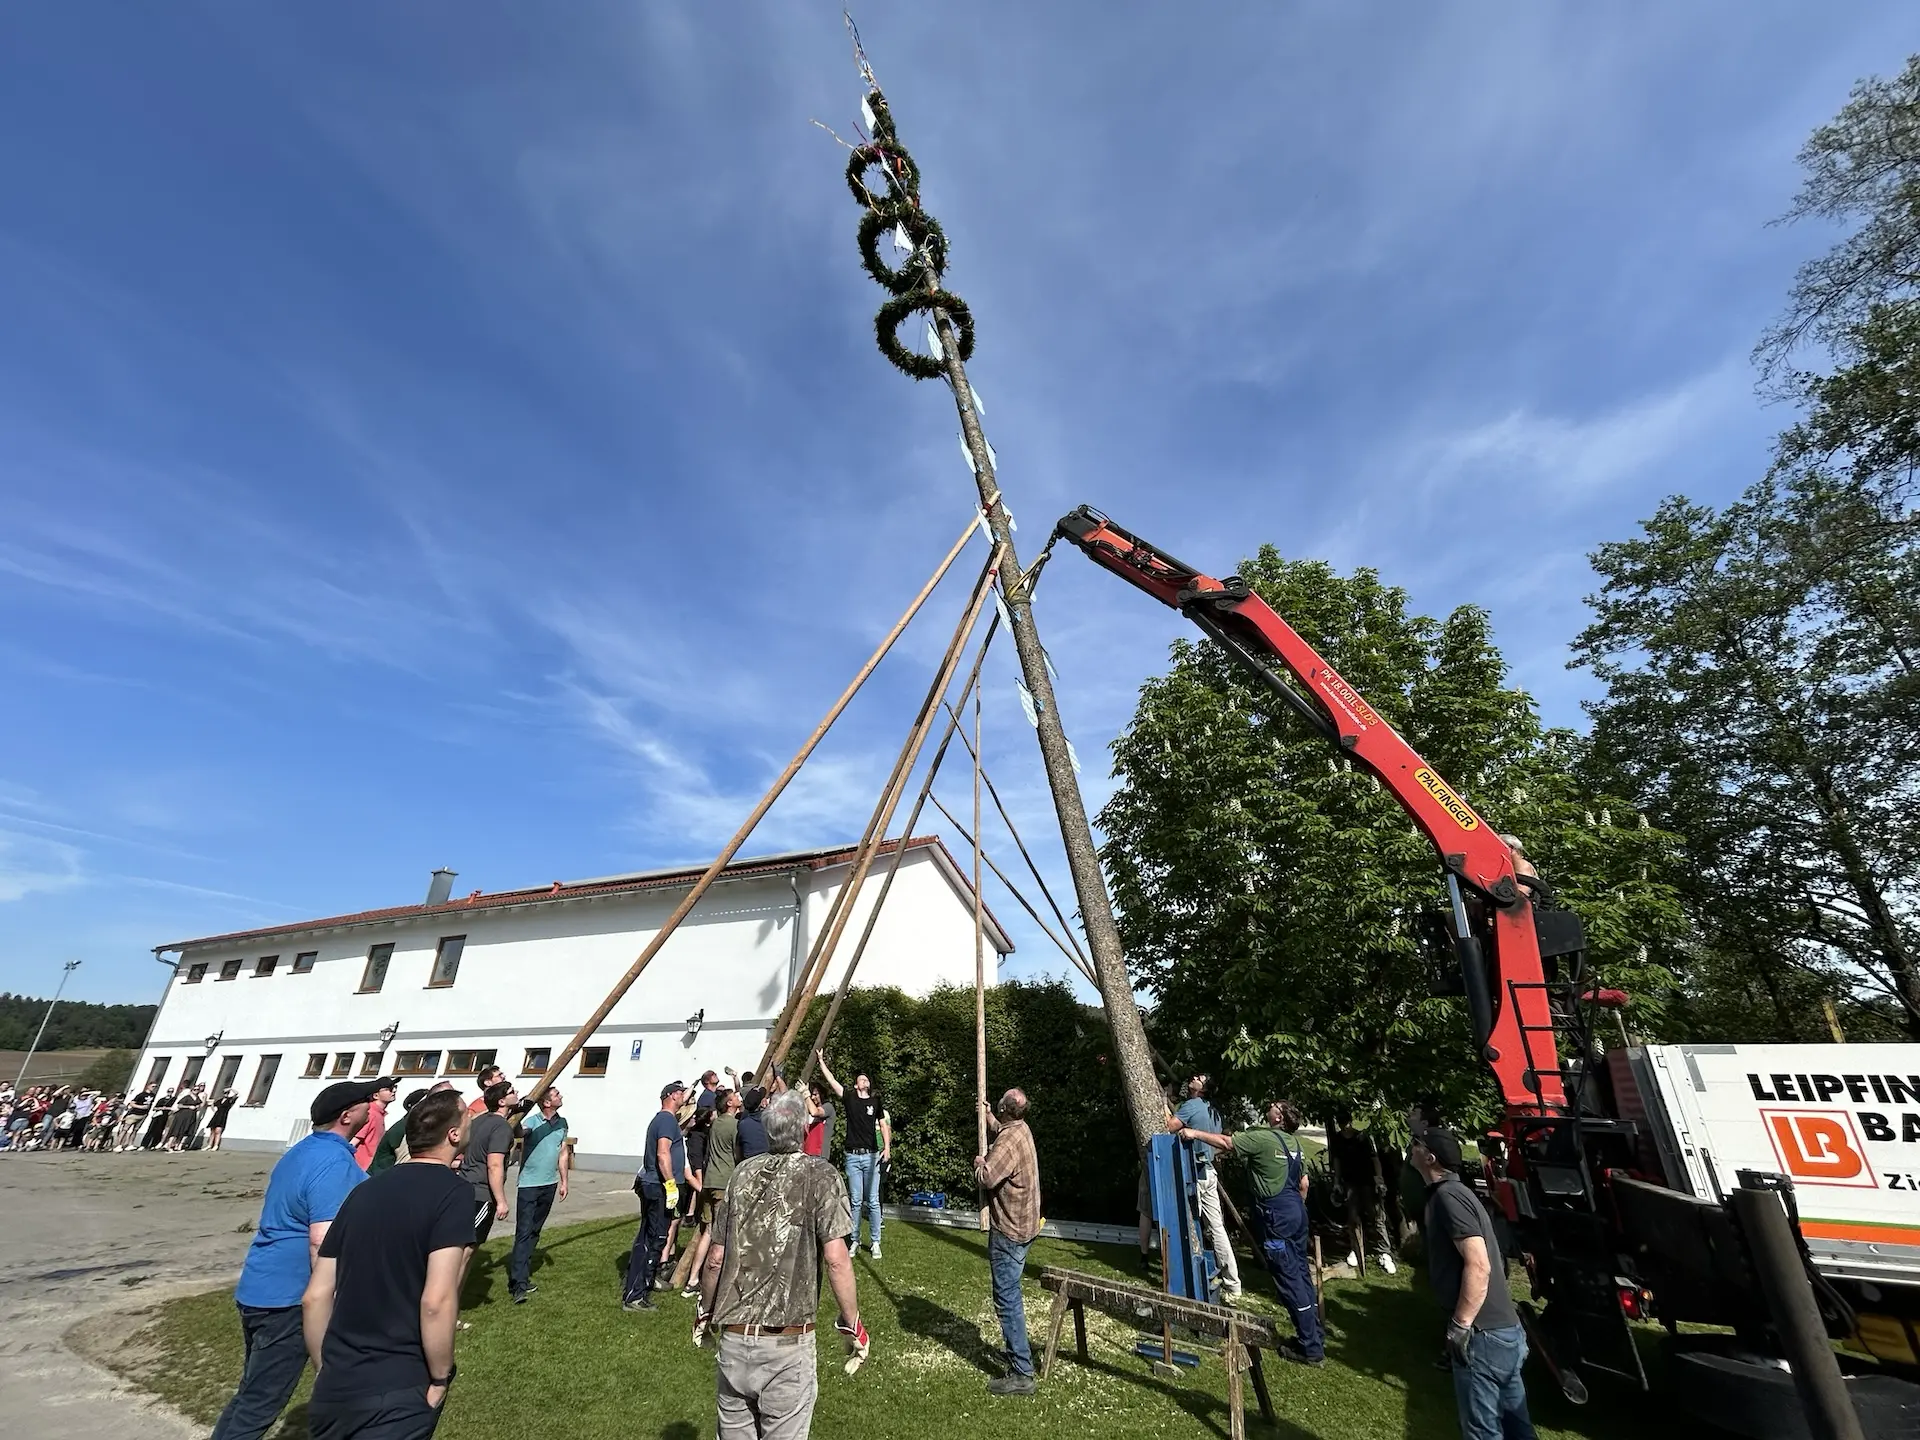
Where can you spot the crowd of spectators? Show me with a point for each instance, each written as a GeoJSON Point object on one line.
{"type": "Point", "coordinates": [63, 1117]}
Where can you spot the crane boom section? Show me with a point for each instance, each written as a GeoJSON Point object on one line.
{"type": "Point", "coordinates": [1508, 1000]}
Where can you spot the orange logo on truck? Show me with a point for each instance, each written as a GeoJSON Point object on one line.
{"type": "Point", "coordinates": [1820, 1147]}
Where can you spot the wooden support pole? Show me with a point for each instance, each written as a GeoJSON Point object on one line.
{"type": "Point", "coordinates": [732, 847]}
{"type": "Point", "coordinates": [899, 854]}
{"type": "Point", "coordinates": [798, 1002]}
{"type": "Point", "coordinates": [979, 960]}
{"type": "Point", "coordinates": [966, 838]}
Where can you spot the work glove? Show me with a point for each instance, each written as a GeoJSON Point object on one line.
{"type": "Point", "coordinates": [858, 1343]}
{"type": "Point", "coordinates": [702, 1319]}
{"type": "Point", "coordinates": [673, 1193]}
{"type": "Point", "coordinates": [1459, 1341]}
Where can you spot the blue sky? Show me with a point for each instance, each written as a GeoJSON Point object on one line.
{"type": "Point", "coordinates": [452, 433]}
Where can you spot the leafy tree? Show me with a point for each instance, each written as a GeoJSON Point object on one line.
{"type": "Point", "coordinates": [109, 1073]}
{"type": "Point", "coordinates": [1861, 170]}
{"type": "Point", "coordinates": [1270, 892]}
{"type": "Point", "coordinates": [1760, 702]}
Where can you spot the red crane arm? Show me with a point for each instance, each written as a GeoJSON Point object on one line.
{"type": "Point", "coordinates": [1506, 991]}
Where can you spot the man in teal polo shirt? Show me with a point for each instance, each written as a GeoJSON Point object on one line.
{"type": "Point", "coordinates": [544, 1161]}
{"type": "Point", "coordinates": [304, 1193]}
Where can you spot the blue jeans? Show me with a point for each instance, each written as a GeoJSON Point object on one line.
{"type": "Point", "coordinates": [531, 1206]}
{"type": "Point", "coordinates": [863, 1190]}
{"type": "Point", "coordinates": [276, 1353]}
{"type": "Point", "coordinates": [1006, 1259]}
{"type": "Point", "coordinates": [1488, 1388]}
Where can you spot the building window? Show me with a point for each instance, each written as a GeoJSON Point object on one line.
{"type": "Point", "coordinates": [468, 1062]}
{"type": "Point", "coordinates": [231, 970]}
{"type": "Point", "coordinates": [158, 1071]}
{"type": "Point", "coordinates": [593, 1060]}
{"type": "Point", "coordinates": [535, 1062]}
{"type": "Point", "coordinates": [303, 962]}
{"type": "Point", "coordinates": [229, 1072]}
{"type": "Point", "coordinates": [195, 1064]}
{"type": "Point", "coordinates": [416, 1062]}
{"type": "Point", "coordinates": [342, 1064]}
{"type": "Point", "coordinates": [446, 961]}
{"type": "Point", "coordinates": [375, 975]}
{"type": "Point", "coordinates": [263, 967]}
{"type": "Point", "coordinates": [196, 973]}
{"type": "Point", "coordinates": [316, 1063]}
{"type": "Point", "coordinates": [263, 1079]}
{"type": "Point", "coordinates": [370, 1064]}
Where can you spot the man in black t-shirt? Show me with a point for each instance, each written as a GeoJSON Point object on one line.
{"type": "Point", "coordinates": [1469, 1276]}
{"type": "Point", "coordinates": [380, 1311]}
{"type": "Point", "coordinates": [867, 1152]}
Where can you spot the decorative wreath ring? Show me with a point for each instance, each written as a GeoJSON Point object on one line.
{"type": "Point", "coordinates": [887, 322]}
{"type": "Point", "coordinates": [928, 239]}
{"type": "Point", "coordinates": [882, 116]}
{"type": "Point", "coordinates": [903, 176]}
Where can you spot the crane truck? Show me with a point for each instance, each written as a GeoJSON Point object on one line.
{"type": "Point", "coordinates": [1767, 1198]}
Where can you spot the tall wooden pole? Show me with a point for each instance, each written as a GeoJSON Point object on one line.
{"type": "Point", "coordinates": [732, 847]}
{"type": "Point", "coordinates": [1146, 1106]}
{"type": "Point", "coordinates": [979, 950]}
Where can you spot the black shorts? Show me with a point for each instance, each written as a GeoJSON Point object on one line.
{"type": "Point", "coordinates": [482, 1217]}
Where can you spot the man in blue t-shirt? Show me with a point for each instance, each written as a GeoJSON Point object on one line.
{"type": "Point", "coordinates": [544, 1161]}
{"type": "Point", "coordinates": [304, 1193]}
{"type": "Point", "coordinates": [1196, 1114]}
{"type": "Point", "coordinates": [663, 1165]}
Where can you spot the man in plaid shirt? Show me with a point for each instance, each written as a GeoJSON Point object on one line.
{"type": "Point", "coordinates": [1009, 1174]}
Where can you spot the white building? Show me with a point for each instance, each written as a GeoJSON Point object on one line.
{"type": "Point", "coordinates": [443, 988]}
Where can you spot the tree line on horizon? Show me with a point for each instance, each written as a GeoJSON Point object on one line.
{"type": "Point", "coordinates": [76, 1024]}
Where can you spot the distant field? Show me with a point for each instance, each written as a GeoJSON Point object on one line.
{"type": "Point", "coordinates": [49, 1066]}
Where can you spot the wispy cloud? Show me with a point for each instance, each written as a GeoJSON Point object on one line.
{"type": "Point", "coordinates": [33, 863]}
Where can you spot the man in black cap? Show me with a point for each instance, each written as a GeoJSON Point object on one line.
{"type": "Point", "coordinates": [308, 1185]}
{"type": "Point", "coordinates": [663, 1159]}
{"type": "Point", "coordinates": [1469, 1275]}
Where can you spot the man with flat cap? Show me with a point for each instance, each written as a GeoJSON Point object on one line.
{"type": "Point", "coordinates": [304, 1193]}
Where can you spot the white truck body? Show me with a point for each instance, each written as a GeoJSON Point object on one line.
{"type": "Point", "coordinates": [1842, 1121]}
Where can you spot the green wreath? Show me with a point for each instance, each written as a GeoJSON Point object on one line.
{"type": "Point", "coordinates": [903, 183]}
{"type": "Point", "coordinates": [928, 239]}
{"type": "Point", "coordinates": [882, 116]}
{"type": "Point", "coordinates": [887, 321]}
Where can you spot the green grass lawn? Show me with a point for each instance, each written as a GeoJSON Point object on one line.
{"type": "Point", "coordinates": [571, 1363]}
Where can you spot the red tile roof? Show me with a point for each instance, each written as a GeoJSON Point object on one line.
{"type": "Point", "coordinates": [609, 885]}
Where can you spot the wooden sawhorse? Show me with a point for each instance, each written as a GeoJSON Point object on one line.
{"type": "Point", "coordinates": [1244, 1336]}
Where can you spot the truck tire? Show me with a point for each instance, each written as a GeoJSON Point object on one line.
{"type": "Point", "coordinates": [1755, 1398]}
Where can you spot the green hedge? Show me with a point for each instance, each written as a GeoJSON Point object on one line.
{"type": "Point", "coordinates": [1039, 1037]}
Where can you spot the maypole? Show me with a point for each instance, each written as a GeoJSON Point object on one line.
{"type": "Point", "coordinates": [892, 208]}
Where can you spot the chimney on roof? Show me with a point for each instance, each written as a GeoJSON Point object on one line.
{"type": "Point", "coordinates": [441, 888]}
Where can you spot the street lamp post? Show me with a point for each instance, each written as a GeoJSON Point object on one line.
{"type": "Point", "coordinates": [65, 971]}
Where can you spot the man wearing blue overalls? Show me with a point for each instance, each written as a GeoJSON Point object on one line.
{"type": "Point", "coordinates": [1278, 1170]}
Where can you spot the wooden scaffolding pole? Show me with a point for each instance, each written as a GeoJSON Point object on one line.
{"type": "Point", "coordinates": [788, 1026]}
{"type": "Point", "coordinates": [825, 1032]}
{"type": "Point", "coordinates": [732, 847]}
{"type": "Point", "coordinates": [979, 952]}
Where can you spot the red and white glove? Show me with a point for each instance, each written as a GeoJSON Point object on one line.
{"type": "Point", "coordinates": [858, 1343]}
{"type": "Point", "coordinates": [701, 1320]}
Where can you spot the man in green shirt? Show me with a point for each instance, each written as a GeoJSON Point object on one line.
{"type": "Point", "coordinates": [545, 1159]}
{"type": "Point", "coordinates": [1277, 1168]}
{"type": "Point", "coordinates": [723, 1154]}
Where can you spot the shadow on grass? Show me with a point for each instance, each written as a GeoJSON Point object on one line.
{"type": "Point", "coordinates": [917, 1315]}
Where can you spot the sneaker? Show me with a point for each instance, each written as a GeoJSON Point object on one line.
{"type": "Point", "coordinates": [876, 1250]}
{"type": "Point", "coordinates": [643, 1303]}
{"type": "Point", "coordinates": [463, 1324]}
{"type": "Point", "coordinates": [691, 1292]}
{"type": "Point", "coordinates": [530, 1289]}
{"type": "Point", "coordinates": [1386, 1264]}
{"type": "Point", "coordinates": [1353, 1259]}
{"type": "Point", "coordinates": [1291, 1351]}
{"type": "Point", "coordinates": [519, 1297]}
{"type": "Point", "coordinates": [1229, 1294]}
{"type": "Point", "coordinates": [1012, 1385]}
